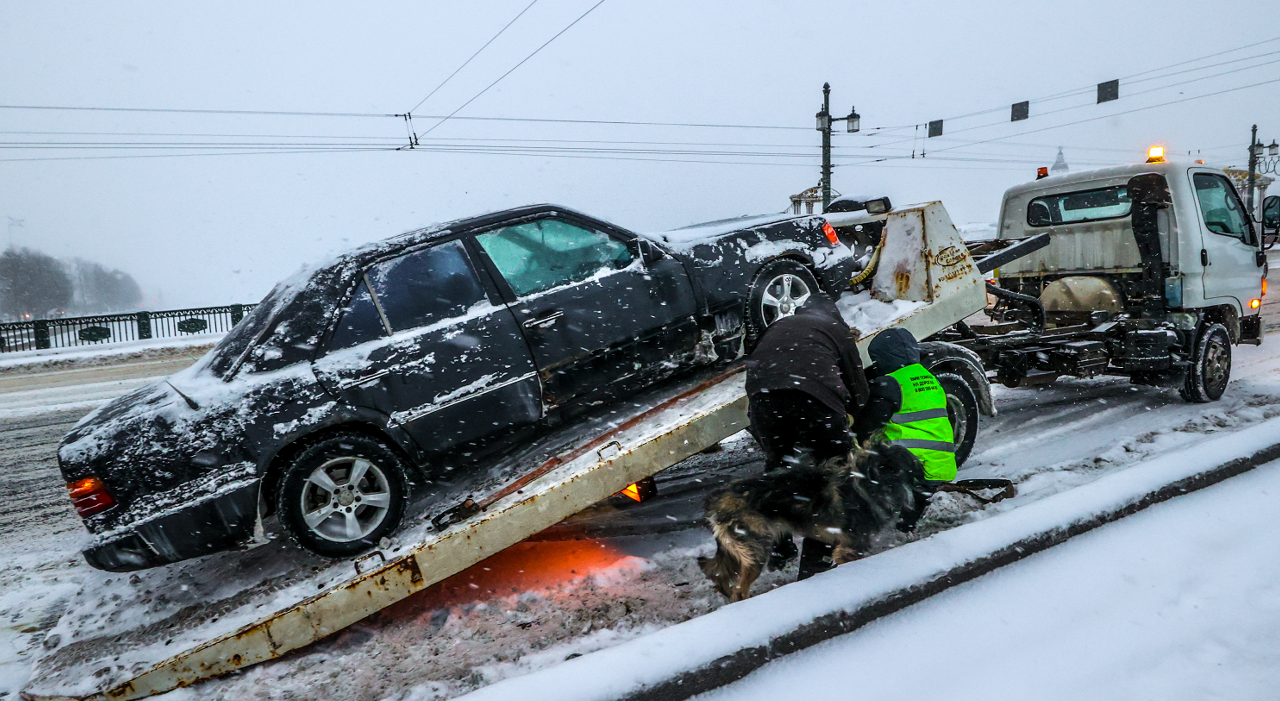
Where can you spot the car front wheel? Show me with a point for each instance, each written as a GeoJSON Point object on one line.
{"type": "Point", "coordinates": [342, 495]}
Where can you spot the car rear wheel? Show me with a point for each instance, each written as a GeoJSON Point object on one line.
{"type": "Point", "coordinates": [779, 289]}
{"type": "Point", "coordinates": [342, 495]}
{"type": "Point", "coordinates": [962, 411]}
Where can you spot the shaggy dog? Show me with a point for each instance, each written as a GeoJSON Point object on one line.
{"type": "Point", "coordinates": [842, 502]}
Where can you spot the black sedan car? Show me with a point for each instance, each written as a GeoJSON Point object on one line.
{"type": "Point", "coordinates": [434, 350]}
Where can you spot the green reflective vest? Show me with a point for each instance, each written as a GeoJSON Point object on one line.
{"type": "Point", "coordinates": [921, 424]}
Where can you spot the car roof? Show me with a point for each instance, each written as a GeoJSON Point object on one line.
{"type": "Point", "coordinates": [309, 299]}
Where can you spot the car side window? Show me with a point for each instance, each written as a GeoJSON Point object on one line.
{"type": "Point", "coordinates": [539, 255]}
{"type": "Point", "coordinates": [426, 286]}
{"type": "Point", "coordinates": [1220, 207]}
{"type": "Point", "coordinates": [359, 321]}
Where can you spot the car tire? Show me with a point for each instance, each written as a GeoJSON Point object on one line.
{"type": "Point", "coordinates": [1210, 368]}
{"type": "Point", "coordinates": [962, 411]}
{"type": "Point", "coordinates": [774, 293]}
{"type": "Point", "coordinates": [327, 512]}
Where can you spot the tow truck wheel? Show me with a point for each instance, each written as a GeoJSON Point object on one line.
{"type": "Point", "coordinates": [962, 411]}
{"type": "Point", "coordinates": [780, 288]}
{"type": "Point", "coordinates": [342, 495]}
{"type": "Point", "coordinates": [1210, 368]}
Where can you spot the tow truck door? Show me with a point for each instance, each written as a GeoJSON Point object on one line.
{"type": "Point", "coordinates": [1229, 241]}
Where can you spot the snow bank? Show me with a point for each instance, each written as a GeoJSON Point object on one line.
{"type": "Point", "coordinates": [22, 361]}
{"type": "Point", "coordinates": [685, 659]}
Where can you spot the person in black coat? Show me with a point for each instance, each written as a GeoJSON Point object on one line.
{"type": "Point", "coordinates": [804, 379]}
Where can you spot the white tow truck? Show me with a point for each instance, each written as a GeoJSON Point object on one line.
{"type": "Point", "coordinates": [920, 276]}
{"type": "Point", "coordinates": [1154, 271]}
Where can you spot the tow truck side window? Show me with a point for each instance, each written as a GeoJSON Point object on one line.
{"type": "Point", "coordinates": [547, 253]}
{"type": "Point", "coordinates": [1080, 206]}
{"type": "Point", "coordinates": [1220, 207]}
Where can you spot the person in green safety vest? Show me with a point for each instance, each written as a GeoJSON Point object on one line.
{"type": "Point", "coordinates": [908, 405]}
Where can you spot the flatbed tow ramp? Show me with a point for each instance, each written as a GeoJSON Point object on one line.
{"type": "Point", "coordinates": [157, 630]}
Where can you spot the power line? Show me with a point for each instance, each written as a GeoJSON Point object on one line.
{"type": "Point", "coordinates": [1079, 91]}
{"type": "Point", "coordinates": [477, 53]}
{"type": "Point", "coordinates": [398, 116]}
{"type": "Point", "coordinates": [193, 111]}
{"type": "Point", "coordinates": [1117, 114]}
{"type": "Point", "coordinates": [513, 68]}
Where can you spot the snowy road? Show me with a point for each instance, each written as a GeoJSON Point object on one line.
{"type": "Point", "coordinates": [550, 598]}
{"type": "Point", "coordinates": [1177, 602]}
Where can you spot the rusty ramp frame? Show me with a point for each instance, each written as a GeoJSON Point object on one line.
{"type": "Point", "coordinates": [692, 421]}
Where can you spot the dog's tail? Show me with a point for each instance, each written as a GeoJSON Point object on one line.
{"type": "Point", "coordinates": [722, 569]}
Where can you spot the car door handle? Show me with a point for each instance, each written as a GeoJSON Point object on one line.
{"type": "Point", "coordinates": [543, 321]}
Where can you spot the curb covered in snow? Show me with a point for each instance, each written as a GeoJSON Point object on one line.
{"type": "Point", "coordinates": [721, 647]}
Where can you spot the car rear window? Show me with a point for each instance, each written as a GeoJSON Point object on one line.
{"type": "Point", "coordinates": [1080, 206]}
{"type": "Point", "coordinates": [359, 321]}
{"type": "Point", "coordinates": [228, 351]}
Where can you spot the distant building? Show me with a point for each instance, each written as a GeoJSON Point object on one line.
{"type": "Point", "coordinates": [807, 199]}
{"type": "Point", "coordinates": [1059, 166]}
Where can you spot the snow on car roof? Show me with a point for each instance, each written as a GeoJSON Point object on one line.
{"type": "Point", "coordinates": [687, 236]}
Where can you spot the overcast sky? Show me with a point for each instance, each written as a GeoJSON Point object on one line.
{"type": "Point", "coordinates": [213, 229]}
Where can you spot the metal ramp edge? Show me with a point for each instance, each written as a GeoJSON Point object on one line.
{"type": "Point", "coordinates": [615, 460]}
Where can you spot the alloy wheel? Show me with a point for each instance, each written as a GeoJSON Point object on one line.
{"type": "Point", "coordinates": [345, 499]}
{"type": "Point", "coordinates": [783, 296]}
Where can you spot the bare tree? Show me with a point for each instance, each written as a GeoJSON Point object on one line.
{"type": "Point", "coordinates": [32, 284]}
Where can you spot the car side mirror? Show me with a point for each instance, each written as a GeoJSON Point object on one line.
{"type": "Point", "coordinates": [648, 251]}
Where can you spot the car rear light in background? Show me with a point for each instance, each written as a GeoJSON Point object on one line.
{"type": "Point", "coordinates": [1255, 303]}
{"type": "Point", "coordinates": [830, 231]}
{"type": "Point", "coordinates": [90, 496]}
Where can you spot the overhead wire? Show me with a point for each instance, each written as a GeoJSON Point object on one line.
{"type": "Point", "coordinates": [513, 68]}
{"type": "Point", "coordinates": [477, 53]}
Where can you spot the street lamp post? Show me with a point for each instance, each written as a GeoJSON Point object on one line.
{"type": "Point", "coordinates": [853, 123]}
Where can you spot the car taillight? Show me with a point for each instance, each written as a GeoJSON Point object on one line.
{"type": "Point", "coordinates": [830, 231]}
{"type": "Point", "coordinates": [90, 496]}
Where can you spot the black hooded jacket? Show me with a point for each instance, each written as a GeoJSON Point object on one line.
{"type": "Point", "coordinates": [812, 351]}
{"type": "Point", "coordinates": [891, 349]}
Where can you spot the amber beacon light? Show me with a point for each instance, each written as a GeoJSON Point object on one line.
{"type": "Point", "coordinates": [1155, 154]}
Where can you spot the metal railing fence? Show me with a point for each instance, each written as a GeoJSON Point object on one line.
{"type": "Point", "coordinates": [65, 332]}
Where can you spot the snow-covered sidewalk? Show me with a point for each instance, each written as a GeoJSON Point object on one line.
{"type": "Point", "coordinates": [1177, 602]}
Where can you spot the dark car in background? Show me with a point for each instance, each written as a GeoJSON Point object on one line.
{"type": "Point", "coordinates": [435, 350]}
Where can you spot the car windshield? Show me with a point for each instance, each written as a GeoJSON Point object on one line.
{"type": "Point", "coordinates": [223, 357]}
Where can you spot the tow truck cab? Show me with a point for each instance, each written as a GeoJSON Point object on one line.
{"type": "Point", "coordinates": [1153, 271]}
